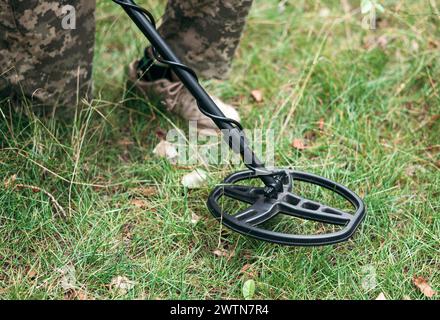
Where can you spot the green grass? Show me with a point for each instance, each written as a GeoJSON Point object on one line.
{"type": "Point", "coordinates": [379, 102]}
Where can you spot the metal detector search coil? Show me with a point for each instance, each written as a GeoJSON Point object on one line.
{"type": "Point", "coordinates": [276, 197]}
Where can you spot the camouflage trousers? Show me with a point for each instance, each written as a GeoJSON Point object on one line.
{"type": "Point", "coordinates": [43, 55]}
{"type": "Point", "coordinates": [44, 58]}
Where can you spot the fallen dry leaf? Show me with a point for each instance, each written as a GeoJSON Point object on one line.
{"type": "Point", "coordinates": [245, 268]}
{"type": "Point", "coordinates": [412, 170]}
{"type": "Point", "coordinates": [69, 294]}
{"type": "Point", "coordinates": [68, 277]}
{"type": "Point", "coordinates": [167, 150]}
{"type": "Point", "coordinates": [122, 284]}
{"type": "Point", "coordinates": [257, 95]}
{"type": "Point", "coordinates": [194, 218]}
{"type": "Point", "coordinates": [381, 296]}
{"type": "Point", "coordinates": [194, 179]}
{"type": "Point", "coordinates": [248, 271]}
{"type": "Point", "coordinates": [145, 191]}
{"type": "Point", "coordinates": [127, 232]}
{"type": "Point", "coordinates": [223, 253]}
{"type": "Point", "coordinates": [32, 274]}
{"type": "Point", "coordinates": [139, 203]}
{"type": "Point", "coordinates": [433, 44]}
{"type": "Point", "coordinates": [79, 294]}
{"type": "Point", "coordinates": [298, 144]}
{"type": "Point", "coordinates": [423, 286]}
{"type": "Point", "coordinates": [321, 124]}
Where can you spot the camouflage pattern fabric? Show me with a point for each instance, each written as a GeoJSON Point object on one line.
{"type": "Point", "coordinates": [42, 59]}
{"type": "Point", "coordinates": [53, 65]}
{"type": "Point", "coordinates": [204, 34]}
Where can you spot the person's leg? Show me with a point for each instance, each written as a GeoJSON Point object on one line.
{"type": "Point", "coordinates": [46, 49]}
{"type": "Point", "coordinates": [7, 48]}
{"type": "Point", "coordinates": [204, 34]}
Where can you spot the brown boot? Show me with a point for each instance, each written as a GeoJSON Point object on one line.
{"type": "Point", "coordinates": [177, 99]}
